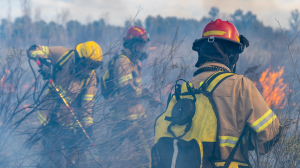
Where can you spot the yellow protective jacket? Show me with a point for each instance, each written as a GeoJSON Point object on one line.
{"type": "Point", "coordinates": [128, 82]}
{"type": "Point", "coordinates": [79, 90]}
{"type": "Point", "coordinates": [239, 105]}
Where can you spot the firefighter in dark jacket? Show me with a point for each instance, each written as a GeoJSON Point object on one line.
{"type": "Point", "coordinates": [73, 72]}
{"type": "Point", "coordinates": [230, 115]}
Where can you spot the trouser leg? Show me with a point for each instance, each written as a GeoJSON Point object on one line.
{"type": "Point", "coordinates": [76, 145]}
{"type": "Point", "coordinates": [51, 154]}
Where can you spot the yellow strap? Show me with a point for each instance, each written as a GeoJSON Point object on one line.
{"type": "Point", "coordinates": [211, 85]}
{"type": "Point", "coordinates": [184, 88]}
{"type": "Point", "coordinates": [125, 57]}
{"type": "Point", "coordinates": [201, 150]}
{"type": "Point", "coordinates": [87, 80]}
{"type": "Point", "coordinates": [217, 80]}
{"type": "Point", "coordinates": [104, 77]}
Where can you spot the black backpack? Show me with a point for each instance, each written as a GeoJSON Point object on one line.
{"type": "Point", "coordinates": [108, 87]}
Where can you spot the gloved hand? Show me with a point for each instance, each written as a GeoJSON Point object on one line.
{"type": "Point", "coordinates": [45, 68]}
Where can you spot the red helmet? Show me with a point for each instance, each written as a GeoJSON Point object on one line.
{"type": "Point", "coordinates": [136, 33]}
{"type": "Point", "coordinates": [218, 29]}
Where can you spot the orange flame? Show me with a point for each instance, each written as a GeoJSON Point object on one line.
{"type": "Point", "coordinates": [6, 87]}
{"type": "Point", "coordinates": [26, 107]}
{"type": "Point", "coordinates": [152, 48]}
{"type": "Point", "coordinates": [25, 86]}
{"type": "Point", "coordinates": [273, 87]}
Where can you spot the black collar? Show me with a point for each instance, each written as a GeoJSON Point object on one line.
{"type": "Point", "coordinates": [212, 68]}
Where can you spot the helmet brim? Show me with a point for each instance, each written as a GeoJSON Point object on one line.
{"type": "Point", "coordinates": [198, 42]}
{"type": "Point", "coordinates": [77, 48]}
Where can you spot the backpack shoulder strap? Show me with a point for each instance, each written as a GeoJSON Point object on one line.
{"type": "Point", "coordinates": [112, 62]}
{"type": "Point", "coordinates": [213, 81]}
{"type": "Point", "coordinates": [232, 153]}
{"type": "Point", "coordinates": [207, 88]}
{"type": "Point", "coordinates": [123, 56]}
{"type": "Point", "coordinates": [84, 82]}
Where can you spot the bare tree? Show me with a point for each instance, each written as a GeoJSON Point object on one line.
{"type": "Point", "coordinates": [295, 20]}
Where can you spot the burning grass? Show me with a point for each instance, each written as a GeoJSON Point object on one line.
{"type": "Point", "coordinates": [273, 87]}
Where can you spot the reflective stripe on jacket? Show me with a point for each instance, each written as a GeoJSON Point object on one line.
{"type": "Point", "coordinates": [79, 91]}
{"type": "Point", "coordinates": [239, 102]}
{"type": "Point", "coordinates": [128, 74]}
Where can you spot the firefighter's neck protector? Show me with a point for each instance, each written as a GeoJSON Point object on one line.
{"type": "Point", "coordinates": [214, 51]}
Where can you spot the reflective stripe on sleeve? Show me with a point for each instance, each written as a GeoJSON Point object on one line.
{"type": "Point", "coordinates": [88, 97]}
{"type": "Point", "coordinates": [263, 121]}
{"type": "Point", "coordinates": [46, 50]}
{"type": "Point", "coordinates": [35, 53]}
{"type": "Point", "coordinates": [228, 141]}
{"type": "Point", "coordinates": [139, 81]}
{"type": "Point", "coordinates": [125, 78]}
{"type": "Point", "coordinates": [41, 118]}
{"type": "Point", "coordinates": [88, 120]}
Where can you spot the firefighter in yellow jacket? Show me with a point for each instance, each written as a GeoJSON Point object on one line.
{"type": "Point", "coordinates": [122, 83]}
{"type": "Point", "coordinates": [73, 72]}
{"type": "Point", "coordinates": [220, 114]}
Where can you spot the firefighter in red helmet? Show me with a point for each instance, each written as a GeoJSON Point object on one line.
{"type": "Point", "coordinates": [122, 86]}
{"type": "Point", "coordinates": [215, 118]}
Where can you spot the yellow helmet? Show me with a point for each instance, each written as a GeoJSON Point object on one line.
{"type": "Point", "coordinates": [90, 50]}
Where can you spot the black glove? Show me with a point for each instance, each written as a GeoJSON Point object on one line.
{"type": "Point", "coordinates": [45, 68]}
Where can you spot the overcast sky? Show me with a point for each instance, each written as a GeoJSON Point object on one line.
{"type": "Point", "coordinates": [117, 11]}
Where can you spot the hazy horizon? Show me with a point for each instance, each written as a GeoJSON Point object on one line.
{"type": "Point", "coordinates": [116, 12]}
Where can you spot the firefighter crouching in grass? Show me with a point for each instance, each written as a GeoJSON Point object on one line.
{"type": "Point", "coordinates": [67, 109]}
{"type": "Point", "coordinates": [122, 87]}
{"type": "Point", "coordinates": [213, 120]}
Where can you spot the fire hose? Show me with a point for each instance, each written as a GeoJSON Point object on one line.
{"type": "Point", "coordinates": [67, 104]}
